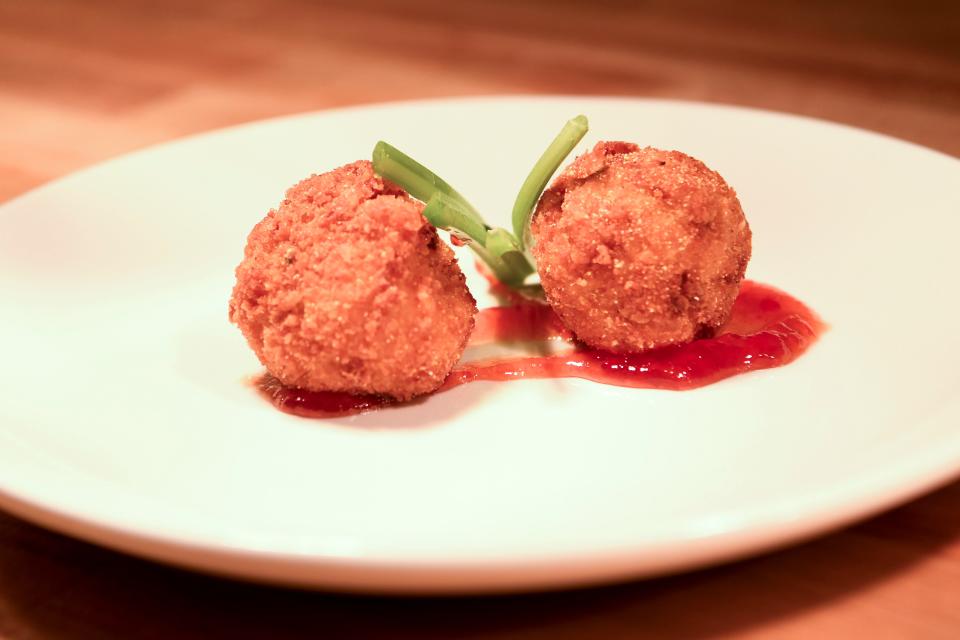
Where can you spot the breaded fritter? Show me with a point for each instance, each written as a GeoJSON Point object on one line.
{"type": "Point", "coordinates": [640, 248]}
{"type": "Point", "coordinates": [346, 287]}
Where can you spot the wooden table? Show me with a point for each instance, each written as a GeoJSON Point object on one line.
{"type": "Point", "coordinates": [82, 81]}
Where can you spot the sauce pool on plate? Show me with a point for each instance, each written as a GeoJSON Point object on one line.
{"type": "Point", "coordinates": [767, 328]}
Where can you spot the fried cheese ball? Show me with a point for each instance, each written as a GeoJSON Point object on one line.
{"type": "Point", "coordinates": [346, 287]}
{"type": "Point", "coordinates": [640, 248]}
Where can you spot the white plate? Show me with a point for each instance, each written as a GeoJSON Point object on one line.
{"type": "Point", "coordinates": [126, 419]}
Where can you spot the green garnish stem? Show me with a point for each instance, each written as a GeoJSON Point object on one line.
{"type": "Point", "coordinates": [540, 175]}
{"type": "Point", "coordinates": [416, 179]}
{"type": "Point", "coordinates": [447, 209]}
{"type": "Point", "coordinates": [444, 212]}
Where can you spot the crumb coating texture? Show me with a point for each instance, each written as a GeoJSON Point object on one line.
{"type": "Point", "coordinates": [346, 287]}
{"type": "Point", "coordinates": [639, 248]}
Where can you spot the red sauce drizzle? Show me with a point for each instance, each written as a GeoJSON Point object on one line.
{"type": "Point", "coordinates": [767, 328]}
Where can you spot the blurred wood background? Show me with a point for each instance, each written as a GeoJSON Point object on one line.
{"type": "Point", "coordinates": [81, 81]}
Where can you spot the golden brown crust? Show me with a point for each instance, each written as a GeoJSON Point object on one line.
{"type": "Point", "coordinates": [639, 248]}
{"type": "Point", "coordinates": [346, 287]}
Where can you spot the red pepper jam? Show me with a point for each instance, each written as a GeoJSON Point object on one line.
{"type": "Point", "coordinates": [767, 328]}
